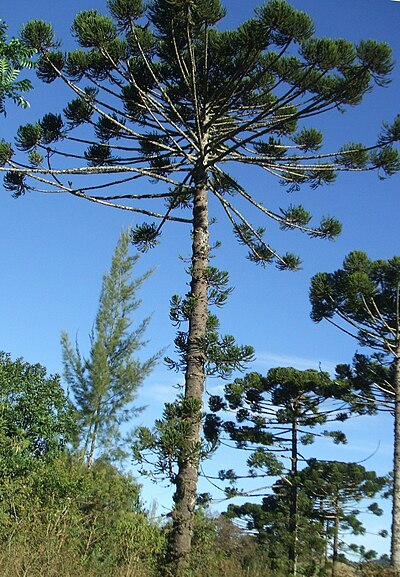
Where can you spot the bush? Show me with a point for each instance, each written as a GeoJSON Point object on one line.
{"type": "Point", "coordinates": [65, 520]}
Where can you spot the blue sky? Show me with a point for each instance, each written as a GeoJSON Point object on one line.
{"type": "Point", "coordinates": [55, 249]}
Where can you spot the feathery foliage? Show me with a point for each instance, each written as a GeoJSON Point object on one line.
{"type": "Point", "coordinates": [14, 56]}
{"type": "Point", "coordinates": [104, 385]}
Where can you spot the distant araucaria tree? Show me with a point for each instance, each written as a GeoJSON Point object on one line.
{"type": "Point", "coordinates": [363, 300]}
{"type": "Point", "coordinates": [275, 417]}
{"type": "Point", "coordinates": [163, 95]}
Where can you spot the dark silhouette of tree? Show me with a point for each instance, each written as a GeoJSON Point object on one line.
{"type": "Point", "coordinates": [331, 496]}
{"type": "Point", "coordinates": [337, 489]}
{"type": "Point", "coordinates": [270, 522]}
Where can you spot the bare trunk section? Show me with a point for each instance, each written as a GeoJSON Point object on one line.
{"type": "Point", "coordinates": [335, 546]}
{"type": "Point", "coordinates": [293, 515]}
{"type": "Point", "coordinates": [395, 544]}
{"type": "Point", "coordinates": [188, 462]}
{"type": "Point", "coordinates": [93, 441]}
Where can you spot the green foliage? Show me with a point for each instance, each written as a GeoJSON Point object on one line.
{"type": "Point", "coordinates": [80, 110]}
{"type": "Point", "coordinates": [93, 30]}
{"type": "Point", "coordinates": [6, 152]}
{"type": "Point", "coordinates": [65, 519]}
{"type": "Point", "coordinates": [28, 136]}
{"type": "Point", "coordinates": [126, 11]}
{"type": "Point", "coordinates": [105, 384]}
{"type": "Point", "coordinates": [372, 380]}
{"type": "Point", "coordinates": [364, 294]}
{"type": "Point", "coordinates": [14, 56]}
{"type": "Point", "coordinates": [48, 69]}
{"type": "Point", "coordinates": [270, 523]}
{"type": "Point", "coordinates": [179, 78]}
{"type": "Point", "coordinates": [353, 155]}
{"type": "Point", "coordinates": [159, 450]}
{"type": "Point", "coordinates": [144, 236]}
{"type": "Point", "coordinates": [36, 418]}
{"type": "Point", "coordinates": [99, 155]}
{"type": "Point", "coordinates": [221, 351]}
{"type": "Point", "coordinates": [38, 36]}
{"type": "Point", "coordinates": [278, 413]}
{"type": "Point", "coordinates": [337, 490]}
{"type": "Point", "coordinates": [16, 183]}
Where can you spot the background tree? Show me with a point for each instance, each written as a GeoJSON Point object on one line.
{"type": "Point", "coordinates": [270, 522]}
{"type": "Point", "coordinates": [36, 418]}
{"type": "Point", "coordinates": [336, 490]}
{"type": "Point", "coordinates": [14, 56]}
{"type": "Point", "coordinates": [363, 300]}
{"type": "Point", "coordinates": [104, 385]}
{"type": "Point", "coordinates": [275, 416]}
{"type": "Point", "coordinates": [167, 99]}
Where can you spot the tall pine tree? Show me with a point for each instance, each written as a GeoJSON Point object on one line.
{"type": "Point", "coordinates": [105, 384]}
{"type": "Point", "coordinates": [275, 417]}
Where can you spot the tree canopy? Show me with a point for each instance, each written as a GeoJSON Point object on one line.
{"type": "Point", "coordinates": [161, 89]}
{"type": "Point", "coordinates": [36, 418]}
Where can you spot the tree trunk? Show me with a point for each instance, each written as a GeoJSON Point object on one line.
{"type": "Point", "coordinates": [93, 441]}
{"type": "Point", "coordinates": [326, 543]}
{"type": "Point", "coordinates": [293, 515]}
{"type": "Point", "coordinates": [188, 461]}
{"type": "Point", "coordinates": [395, 544]}
{"type": "Point", "coordinates": [335, 546]}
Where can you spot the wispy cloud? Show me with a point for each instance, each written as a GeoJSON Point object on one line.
{"type": "Point", "coordinates": [265, 361]}
{"type": "Point", "coordinates": [162, 386]}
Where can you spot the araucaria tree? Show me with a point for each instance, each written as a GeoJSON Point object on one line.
{"type": "Point", "coordinates": [336, 491]}
{"type": "Point", "coordinates": [275, 417]}
{"type": "Point", "coordinates": [363, 300]}
{"type": "Point", "coordinates": [162, 95]}
{"type": "Point", "coordinates": [105, 384]}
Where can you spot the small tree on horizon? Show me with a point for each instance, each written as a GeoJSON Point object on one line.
{"type": "Point", "coordinates": [105, 384]}
{"type": "Point", "coordinates": [163, 94]}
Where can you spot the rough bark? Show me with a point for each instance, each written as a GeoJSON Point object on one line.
{"type": "Point", "coordinates": [395, 544]}
{"type": "Point", "coordinates": [188, 462]}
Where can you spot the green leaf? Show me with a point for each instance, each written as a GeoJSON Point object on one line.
{"type": "Point", "coordinates": [93, 30]}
